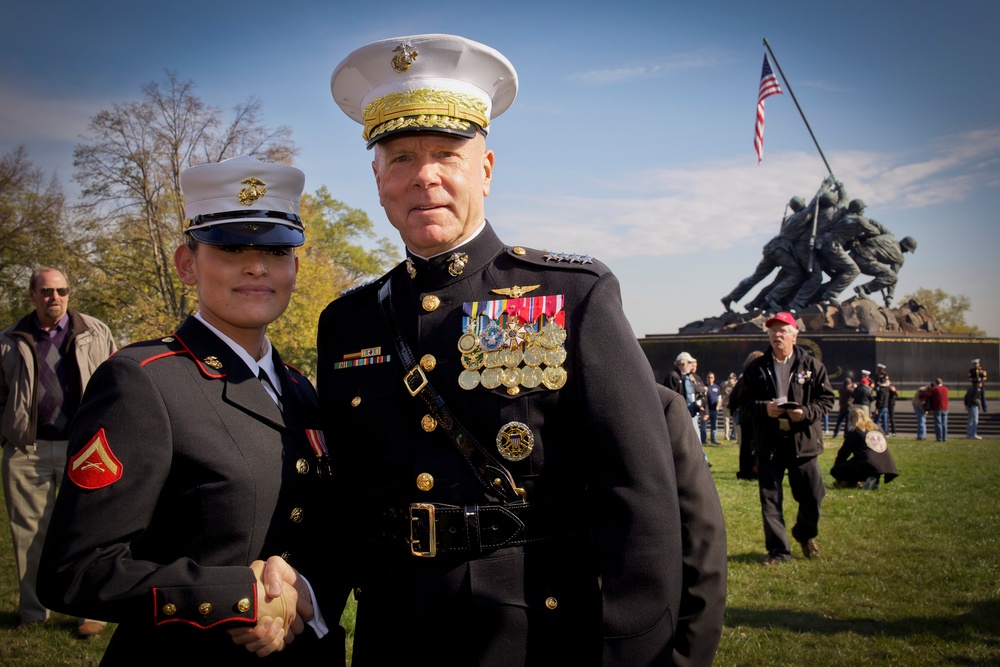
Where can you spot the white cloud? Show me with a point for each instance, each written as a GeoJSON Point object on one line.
{"type": "Point", "coordinates": [658, 67]}
{"type": "Point", "coordinates": [28, 117]}
{"type": "Point", "coordinates": [679, 211]}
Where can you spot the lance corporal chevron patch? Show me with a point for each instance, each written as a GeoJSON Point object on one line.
{"type": "Point", "coordinates": [95, 466]}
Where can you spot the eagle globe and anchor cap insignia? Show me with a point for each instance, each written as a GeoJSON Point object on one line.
{"type": "Point", "coordinates": [405, 55]}
{"type": "Point", "coordinates": [255, 190]}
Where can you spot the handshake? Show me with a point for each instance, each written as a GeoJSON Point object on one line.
{"type": "Point", "coordinates": [284, 605]}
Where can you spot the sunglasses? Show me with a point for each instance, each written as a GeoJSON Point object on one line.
{"type": "Point", "coordinates": [49, 291]}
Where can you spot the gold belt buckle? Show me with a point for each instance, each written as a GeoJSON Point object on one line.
{"type": "Point", "coordinates": [415, 542]}
{"type": "Point", "coordinates": [423, 380]}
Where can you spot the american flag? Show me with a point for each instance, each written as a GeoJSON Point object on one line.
{"type": "Point", "coordinates": [768, 86]}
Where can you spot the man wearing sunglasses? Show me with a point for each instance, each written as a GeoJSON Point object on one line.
{"type": "Point", "coordinates": [46, 359]}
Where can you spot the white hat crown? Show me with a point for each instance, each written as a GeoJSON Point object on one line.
{"type": "Point", "coordinates": [243, 191]}
{"type": "Point", "coordinates": [442, 83]}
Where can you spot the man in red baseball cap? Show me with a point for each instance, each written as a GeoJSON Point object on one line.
{"type": "Point", "coordinates": [787, 391]}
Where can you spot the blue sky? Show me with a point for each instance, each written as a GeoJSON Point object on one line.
{"type": "Point", "coordinates": [632, 134]}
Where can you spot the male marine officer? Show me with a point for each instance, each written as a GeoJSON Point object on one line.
{"type": "Point", "coordinates": [508, 490]}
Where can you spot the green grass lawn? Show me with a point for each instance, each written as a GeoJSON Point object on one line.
{"type": "Point", "coordinates": [908, 575]}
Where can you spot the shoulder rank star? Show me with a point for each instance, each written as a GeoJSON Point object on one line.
{"type": "Point", "coordinates": [515, 292]}
{"type": "Point", "coordinates": [571, 257]}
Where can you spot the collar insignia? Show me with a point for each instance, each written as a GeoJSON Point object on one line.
{"type": "Point", "coordinates": [212, 362]}
{"type": "Point", "coordinates": [457, 262]}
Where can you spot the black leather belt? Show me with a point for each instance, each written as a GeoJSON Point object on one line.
{"type": "Point", "coordinates": [476, 529]}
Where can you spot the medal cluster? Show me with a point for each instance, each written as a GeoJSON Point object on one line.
{"type": "Point", "coordinates": [511, 353]}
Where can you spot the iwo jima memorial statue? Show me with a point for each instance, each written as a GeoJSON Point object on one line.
{"type": "Point", "coordinates": [821, 248]}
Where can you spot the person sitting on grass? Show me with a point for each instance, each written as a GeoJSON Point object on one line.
{"type": "Point", "coordinates": [864, 456]}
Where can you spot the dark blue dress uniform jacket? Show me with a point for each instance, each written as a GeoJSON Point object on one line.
{"type": "Point", "coordinates": [604, 587]}
{"type": "Point", "coordinates": [213, 478]}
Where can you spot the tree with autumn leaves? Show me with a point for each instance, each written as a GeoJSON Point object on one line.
{"type": "Point", "coordinates": [116, 245]}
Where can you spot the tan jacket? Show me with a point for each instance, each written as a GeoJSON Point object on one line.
{"type": "Point", "coordinates": [91, 342]}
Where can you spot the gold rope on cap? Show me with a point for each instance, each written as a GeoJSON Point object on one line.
{"type": "Point", "coordinates": [423, 107]}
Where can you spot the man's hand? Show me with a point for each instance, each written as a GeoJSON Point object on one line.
{"type": "Point", "coordinates": [277, 600]}
{"type": "Point", "coordinates": [774, 411]}
{"type": "Point", "coordinates": [796, 415]}
{"type": "Point", "coordinates": [278, 574]}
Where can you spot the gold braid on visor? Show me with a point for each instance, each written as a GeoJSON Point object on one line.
{"type": "Point", "coordinates": [423, 107]}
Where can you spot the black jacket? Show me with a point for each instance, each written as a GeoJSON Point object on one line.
{"type": "Point", "coordinates": [212, 476]}
{"type": "Point", "coordinates": [808, 386]}
{"type": "Point", "coordinates": [703, 534]}
{"type": "Point", "coordinates": [601, 466]}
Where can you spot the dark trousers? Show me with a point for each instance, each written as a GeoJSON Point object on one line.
{"type": "Point", "coordinates": [841, 419]}
{"type": "Point", "coordinates": [806, 482]}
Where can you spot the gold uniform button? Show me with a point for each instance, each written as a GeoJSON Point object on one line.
{"type": "Point", "coordinates": [428, 423]}
{"type": "Point", "coordinates": [430, 303]}
{"type": "Point", "coordinates": [518, 250]}
{"type": "Point", "coordinates": [243, 606]}
{"type": "Point", "coordinates": [428, 362]}
{"type": "Point", "coordinates": [169, 609]}
{"type": "Point", "coordinates": [296, 515]}
{"type": "Point", "coordinates": [551, 603]}
{"type": "Point", "coordinates": [302, 466]}
{"type": "Point", "coordinates": [425, 481]}
{"type": "Point", "coordinates": [205, 608]}
{"type": "Point", "coordinates": [513, 391]}
{"type": "Point", "coordinates": [356, 401]}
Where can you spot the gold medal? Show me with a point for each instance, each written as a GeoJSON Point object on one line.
{"type": "Point", "coordinates": [495, 359]}
{"type": "Point", "coordinates": [514, 357]}
{"type": "Point", "coordinates": [531, 377]}
{"type": "Point", "coordinates": [554, 378]}
{"type": "Point", "coordinates": [468, 342]}
{"type": "Point", "coordinates": [515, 441]}
{"type": "Point", "coordinates": [546, 339]}
{"type": "Point", "coordinates": [510, 377]}
{"type": "Point", "coordinates": [492, 378]}
{"type": "Point", "coordinates": [534, 355]}
{"type": "Point", "coordinates": [556, 333]}
{"type": "Point", "coordinates": [468, 379]}
{"type": "Point", "coordinates": [555, 357]}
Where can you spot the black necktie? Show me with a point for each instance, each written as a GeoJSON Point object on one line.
{"type": "Point", "coordinates": [267, 382]}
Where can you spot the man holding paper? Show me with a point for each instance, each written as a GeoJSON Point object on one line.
{"type": "Point", "coordinates": [788, 392]}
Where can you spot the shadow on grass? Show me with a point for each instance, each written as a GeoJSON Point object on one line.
{"type": "Point", "coordinates": [750, 557]}
{"type": "Point", "coordinates": [981, 623]}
